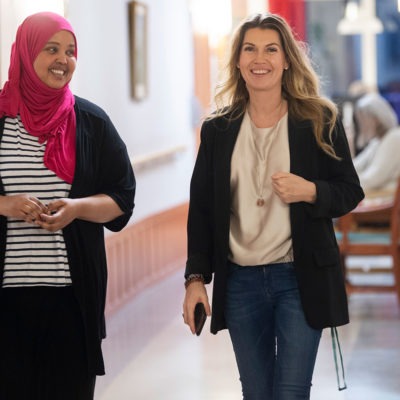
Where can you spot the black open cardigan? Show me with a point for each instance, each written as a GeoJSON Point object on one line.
{"type": "Point", "coordinates": [315, 250]}
{"type": "Point", "coordinates": [102, 166]}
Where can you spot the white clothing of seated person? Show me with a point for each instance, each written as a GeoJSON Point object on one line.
{"type": "Point", "coordinates": [378, 164]}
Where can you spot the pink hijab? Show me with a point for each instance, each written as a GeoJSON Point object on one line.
{"type": "Point", "coordinates": [46, 112]}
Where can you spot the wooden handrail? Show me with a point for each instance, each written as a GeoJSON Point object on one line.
{"type": "Point", "coordinates": [148, 160]}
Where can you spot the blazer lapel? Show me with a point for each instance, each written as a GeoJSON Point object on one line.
{"type": "Point", "coordinates": [301, 143]}
{"type": "Point", "coordinates": [224, 145]}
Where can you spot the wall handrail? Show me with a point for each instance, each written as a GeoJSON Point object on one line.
{"type": "Point", "coordinates": [148, 160]}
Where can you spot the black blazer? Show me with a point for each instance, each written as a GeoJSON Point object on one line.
{"type": "Point", "coordinates": [316, 255]}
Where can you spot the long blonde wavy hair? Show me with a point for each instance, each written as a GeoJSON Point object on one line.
{"type": "Point", "coordinates": [300, 83]}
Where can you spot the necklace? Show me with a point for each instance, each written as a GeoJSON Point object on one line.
{"type": "Point", "coordinates": [262, 149]}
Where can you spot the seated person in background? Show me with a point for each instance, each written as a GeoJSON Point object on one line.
{"type": "Point", "coordinates": [378, 164]}
{"type": "Point", "coordinates": [355, 91]}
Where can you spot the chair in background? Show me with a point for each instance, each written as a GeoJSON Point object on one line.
{"type": "Point", "coordinates": [372, 229]}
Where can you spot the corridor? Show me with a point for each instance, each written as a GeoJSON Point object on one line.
{"type": "Point", "coordinates": [151, 355]}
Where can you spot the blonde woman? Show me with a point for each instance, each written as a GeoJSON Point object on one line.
{"type": "Point", "coordinates": [272, 170]}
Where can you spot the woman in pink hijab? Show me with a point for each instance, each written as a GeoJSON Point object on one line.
{"type": "Point", "coordinates": [65, 174]}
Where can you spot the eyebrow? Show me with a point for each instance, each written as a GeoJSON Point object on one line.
{"type": "Point", "coordinates": [269, 44]}
{"type": "Point", "coordinates": [58, 43]}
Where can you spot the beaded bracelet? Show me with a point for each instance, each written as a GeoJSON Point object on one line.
{"type": "Point", "coordinates": [193, 278]}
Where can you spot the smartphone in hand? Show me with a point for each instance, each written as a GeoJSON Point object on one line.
{"type": "Point", "coordinates": [200, 317]}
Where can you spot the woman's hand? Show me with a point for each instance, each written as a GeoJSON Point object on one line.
{"type": "Point", "coordinates": [22, 206]}
{"type": "Point", "coordinates": [293, 188]}
{"type": "Point", "coordinates": [99, 208]}
{"type": "Point", "coordinates": [60, 213]}
{"type": "Point", "coordinates": [195, 293]}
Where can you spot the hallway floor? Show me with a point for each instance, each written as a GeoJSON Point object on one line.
{"type": "Point", "coordinates": [151, 355]}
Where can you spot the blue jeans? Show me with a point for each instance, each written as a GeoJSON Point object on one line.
{"type": "Point", "coordinates": [274, 346]}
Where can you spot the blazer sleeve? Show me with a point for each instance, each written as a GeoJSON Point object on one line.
{"type": "Point", "coordinates": [200, 225]}
{"type": "Point", "coordinates": [338, 186]}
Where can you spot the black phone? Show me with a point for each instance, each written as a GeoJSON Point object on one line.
{"type": "Point", "coordinates": [200, 317]}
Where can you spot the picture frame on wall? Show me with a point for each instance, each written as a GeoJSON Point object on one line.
{"type": "Point", "coordinates": [138, 49]}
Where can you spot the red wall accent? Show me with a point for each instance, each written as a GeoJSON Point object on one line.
{"type": "Point", "coordinates": [294, 13]}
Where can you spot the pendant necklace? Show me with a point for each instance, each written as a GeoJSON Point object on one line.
{"type": "Point", "coordinates": [262, 153]}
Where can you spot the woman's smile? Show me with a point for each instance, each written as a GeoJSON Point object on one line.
{"type": "Point", "coordinates": [56, 63]}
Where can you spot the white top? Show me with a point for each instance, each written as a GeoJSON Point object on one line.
{"type": "Point", "coordinates": [259, 234]}
{"type": "Point", "coordinates": [34, 256]}
{"type": "Point", "coordinates": [378, 165]}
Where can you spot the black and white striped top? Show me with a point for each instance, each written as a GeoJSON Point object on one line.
{"type": "Point", "coordinates": [34, 256]}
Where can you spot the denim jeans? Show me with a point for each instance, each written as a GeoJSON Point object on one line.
{"type": "Point", "coordinates": [275, 348]}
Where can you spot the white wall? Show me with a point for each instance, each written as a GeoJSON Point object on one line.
{"type": "Point", "coordinates": [12, 13]}
{"type": "Point", "coordinates": [164, 118]}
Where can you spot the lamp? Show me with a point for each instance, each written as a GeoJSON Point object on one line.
{"type": "Point", "coordinates": [213, 18]}
{"type": "Point", "coordinates": [359, 18]}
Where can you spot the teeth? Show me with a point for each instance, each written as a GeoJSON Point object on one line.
{"type": "Point", "coordinates": [259, 71]}
{"type": "Point", "coordinates": [57, 71]}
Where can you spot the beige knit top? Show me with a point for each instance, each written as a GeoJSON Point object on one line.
{"type": "Point", "coordinates": [260, 226]}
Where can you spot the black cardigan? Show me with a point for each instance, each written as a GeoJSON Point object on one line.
{"type": "Point", "coordinates": [316, 256]}
{"type": "Point", "coordinates": [102, 166]}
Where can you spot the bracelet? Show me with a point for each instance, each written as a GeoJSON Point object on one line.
{"type": "Point", "coordinates": [194, 278]}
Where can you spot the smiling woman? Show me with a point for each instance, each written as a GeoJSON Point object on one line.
{"type": "Point", "coordinates": [272, 170]}
{"type": "Point", "coordinates": [65, 174]}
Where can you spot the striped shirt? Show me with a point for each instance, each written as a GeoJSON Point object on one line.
{"type": "Point", "coordinates": [34, 256]}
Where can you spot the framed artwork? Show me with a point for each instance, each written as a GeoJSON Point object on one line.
{"type": "Point", "coordinates": [138, 49]}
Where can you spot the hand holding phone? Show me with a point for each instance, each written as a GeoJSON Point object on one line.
{"type": "Point", "coordinates": [200, 317]}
